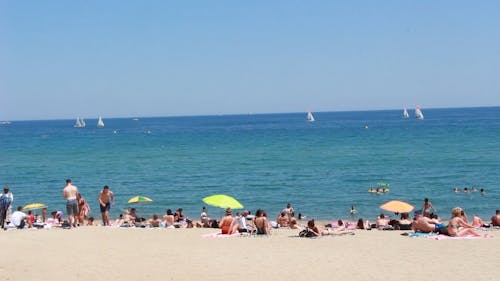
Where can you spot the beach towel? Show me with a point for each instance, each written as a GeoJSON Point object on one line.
{"type": "Point", "coordinates": [422, 234]}
{"type": "Point", "coordinates": [446, 237]}
{"type": "Point", "coordinates": [219, 235]}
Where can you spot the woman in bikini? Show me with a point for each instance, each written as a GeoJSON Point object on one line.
{"type": "Point", "coordinates": [83, 209]}
{"type": "Point", "coordinates": [458, 227]}
{"type": "Point", "coordinates": [226, 222]}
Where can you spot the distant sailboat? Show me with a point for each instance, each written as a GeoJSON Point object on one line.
{"type": "Point", "coordinates": [80, 123]}
{"type": "Point", "coordinates": [100, 123]}
{"type": "Point", "coordinates": [405, 114]}
{"type": "Point", "coordinates": [310, 117]}
{"type": "Point", "coordinates": [418, 113]}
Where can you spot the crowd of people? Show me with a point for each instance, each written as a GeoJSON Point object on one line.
{"type": "Point", "coordinates": [425, 220]}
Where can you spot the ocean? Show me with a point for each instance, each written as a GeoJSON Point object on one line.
{"type": "Point", "coordinates": [264, 160]}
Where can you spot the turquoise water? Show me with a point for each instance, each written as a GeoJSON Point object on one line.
{"type": "Point", "coordinates": [265, 161]}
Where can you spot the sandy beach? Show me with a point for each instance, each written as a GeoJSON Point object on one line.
{"type": "Point", "coordinates": [107, 253]}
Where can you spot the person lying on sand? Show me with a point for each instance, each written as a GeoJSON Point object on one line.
{"type": "Point", "coordinates": [425, 224]}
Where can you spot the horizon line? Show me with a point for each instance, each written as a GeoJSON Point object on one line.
{"type": "Point", "coordinates": [241, 114]}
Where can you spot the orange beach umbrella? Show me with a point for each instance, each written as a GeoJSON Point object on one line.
{"type": "Point", "coordinates": [396, 206]}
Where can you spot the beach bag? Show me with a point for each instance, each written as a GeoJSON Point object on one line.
{"type": "Point", "coordinates": [306, 233]}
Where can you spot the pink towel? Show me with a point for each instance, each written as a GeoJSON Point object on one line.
{"type": "Point", "coordinates": [444, 237]}
{"type": "Point", "coordinates": [218, 235]}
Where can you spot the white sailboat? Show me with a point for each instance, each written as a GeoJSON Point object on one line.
{"type": "Point", "coordinates": [310, 117]}
{"type": "Point", "coordinates": [405, 114]}
{"type": "Point", "coordinates": [418, 113]}
{"type": "Point", "coordinates": [80, 123]}
{"type": "Point", "coordinates": [100, 123]}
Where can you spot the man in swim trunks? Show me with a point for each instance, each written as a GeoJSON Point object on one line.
{"type": "Point", "coordinates": [106, 199]}
{"type": "Point", "coordinates": [69, 193]}
{"type": "Point", "coordinates": [425, 224]}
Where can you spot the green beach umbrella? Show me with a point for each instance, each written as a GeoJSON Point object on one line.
{"type": "Point", "coordinates": [222, 201]}
{"type": "Point", "coordinates": [140, 199]}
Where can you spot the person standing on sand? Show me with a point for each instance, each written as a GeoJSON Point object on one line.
{"type": "Point", "coordinates": [83, 209]}
{"type": "Point", "coordinates": [106, 199]}
{"type": "Point", "coordinates": [289, 211]}
{"type": "Point", "coordinates": [6, 199]}
{"type": "Point", "coordinates": [69, 193]}
{"type": "Point", "coordinates": [426, 208]}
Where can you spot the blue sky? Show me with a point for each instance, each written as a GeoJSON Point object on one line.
{"type": "Point", "coordinates": [62, 59]}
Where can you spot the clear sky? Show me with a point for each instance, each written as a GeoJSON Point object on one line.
{"type": "Point", "coordinates": [63, 59]}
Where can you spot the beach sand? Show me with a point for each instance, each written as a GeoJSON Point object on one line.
{"type": "Point", "coordinates": [107, 253]}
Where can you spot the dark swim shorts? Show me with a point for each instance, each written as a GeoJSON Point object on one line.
{"type": "Point", "coordinates": [106, 207]}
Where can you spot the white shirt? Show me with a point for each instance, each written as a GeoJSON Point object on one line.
{"type": "Point", "coordinates": [16, 218]}
{"type": "Point", "coordinates": [242, 222]}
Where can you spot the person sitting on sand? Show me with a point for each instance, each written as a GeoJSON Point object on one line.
{"type": "Point", "coordinates": [226, 222]}
{"type": "Point", "coordinates": [458, 227]}
{"type": "Point", "coordinates": [293, 224]}
{"type": "Point", "coordinates": [30, 218]}
{"type": "Point", "coordinates": [283, 220]}
{"type": "Point", "coordinates": [382, 222]}
{"type": "Point", "coordinates": [313, 230]}
{"type": "Point", "coordinates": [17, 219]}
{"type": "Point", "coordinates": [240, 223]}
{"type": "Point", "coordinates": [360, 224]}
{"type": "Point", "coordinates": [90, 221]}
{"type": "Point", "coordinates": [261, 223]}
{"type": "Point", "coordinates": [53, 220]}
{"type": "Point", "coordinates": [495, 220]}
{"type": "Point", "coordinates": [169, 219]}
{"type": "Point", "coordinates": [179, 217]}
{"type": "Point", "coordinates": [204, 219]}
{"type": "Point", "coordinates": [130, 216]}
{"type": "Point", "coordinates": [477, 222]}
{"type": "Point", "coordinates": [155, 221]}
{"type": "Point", "coordinates": [404, 223]}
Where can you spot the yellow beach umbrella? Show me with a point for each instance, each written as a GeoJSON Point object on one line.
{"type": "Point", "coordinates": [396, 206]}
{"type": "Point", "coordinates": [222, 201]}
{"type": "Point", "coordinates": [140, 199]}
{"type": "Point", "coordinates": [34, 206]}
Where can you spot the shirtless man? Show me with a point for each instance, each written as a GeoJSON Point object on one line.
{"type": "Point", "coordinates": [69, 193]}
{"type": "Point", "coordinates": [106, 199]}
{"type": "Point", "coordinates": [495, 220]}
{"type": "Point", "coordinates": [168, 218]}
{"type": "Point", "coordinates": [283, 220]}
{"type": "Point", "coordinates": [425, 224]}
